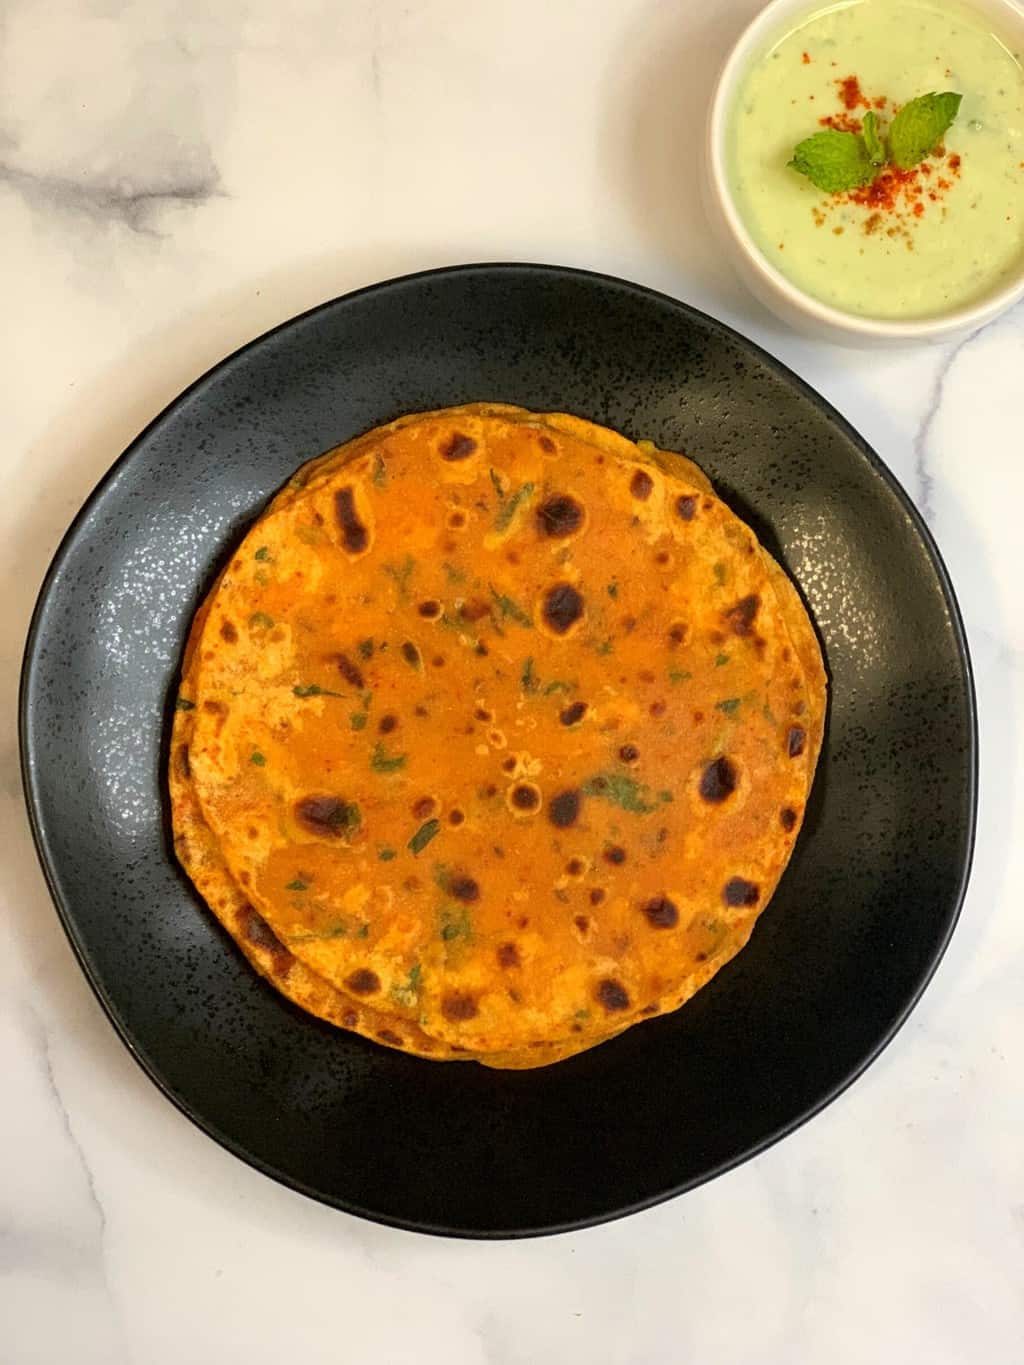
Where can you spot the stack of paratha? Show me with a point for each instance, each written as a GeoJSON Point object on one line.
{"type": "Point", "coordinates": [495, 735]}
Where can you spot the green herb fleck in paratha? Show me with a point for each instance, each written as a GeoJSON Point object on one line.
{"type": "Point", "coordinates": [314, 690]}
{"type": "Point", "coordinates": [402, 574]}
{"type": "Point", "coordinates": [510, 608]}
{"type": "Point", "coordinates": [383, 762]}
{"type": "Point", "coordinates": [258, 758]}
{"type": "Point", "coordinates": [730, 706]}
{"type": "Point", "coordinates": [621, 791]}
{"type": "Point", "coordinates": [423, 836]}
{"type": "Point", "coordinates": [297, 885]}
{"type": "Point", "coordinates": [386, 854]}
{"type": "Point", "coordinates": [455, 923]}
{"type": "Point", "coordinates": [407, 993]}
{"type": "Point", "coordinates": [259, 620]}
{"type": "Point", "coordinates": [263, 555]}
{"type": "Point", "coordinates": [183, 704]}
{"type": "Point", "coordinates": [509, 508]}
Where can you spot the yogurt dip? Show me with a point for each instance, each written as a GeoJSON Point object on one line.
{"type": "Point", "coordinates": [915, 244]}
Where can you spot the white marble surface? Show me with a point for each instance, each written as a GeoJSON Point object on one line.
{"type": "Point", "coordinates": [175, 177]}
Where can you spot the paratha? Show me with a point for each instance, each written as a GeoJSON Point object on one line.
{"type": "Point", "coordinates": [503, 728]}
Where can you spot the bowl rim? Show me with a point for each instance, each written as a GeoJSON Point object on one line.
{"type": "Point", "coordinates": [963, 319]}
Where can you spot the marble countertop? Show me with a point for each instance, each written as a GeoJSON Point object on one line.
{"type": "Point", "coordinates": [176, 177]}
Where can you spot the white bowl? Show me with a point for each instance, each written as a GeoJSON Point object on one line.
{"type": "Point", "coordinates": [785, 299]}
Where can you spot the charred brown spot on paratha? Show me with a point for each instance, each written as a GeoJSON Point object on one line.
{"type": "Point", "coordinates": [387, 723]}
{"type": "Point", "coordinates": [718, 781]}
{"type": "Point", "coordinates": [464, 889]}
{"type": "Point", "coordinates": [524, 796]}
{"type": "Point", "coordinates": [184, 766]}
{"type": "Point", "coordinates": [787, 818]}
{"type": "Point", "coordinates": [661, 912]}
{"type": "Point", "coordinates": [573, 713]}
{"type": "Point", "coordinates": [677, 632]}
{"type": "Point", "coordinates": [456, 817]}
{"type": "Point", "coordinates": [215, 708]}
{"type": "Point", "coordinates": [328, 816]}
{"type": "Point", "coordinates": [559, 516]}
{"type": "Point", "coordinates": [362, 982]}
{"type": "Point", "coordinates": [424, 807]}
{"type": "Point", "coordinates": [475, 609]}
{"type": "Point", "coordinates": [641, 485]}
{"type": "Point", "coordinates": [562, 608]}
{"type": "Point", "coordinates": [648, 1010]}
{"type": "Point", "coordinates": [354, 534]}
{"type": "Point", "coordinates": [430, 610]}
{"type": "Point", "coordinates": [259, 933]}
{"type": "Point", "coordinates": [612, 995]}
{"type": "Point", "coordinates": [349, 670]}
{"type": "Point", "coordinates": [457, 1006]}
{"type": "Point", "coordinates": [508, 955]}
{"type": "Point", "coordinates": [387, 1036]}
{"type": "Point", "coordinates": [615, 854]}
{"type": "Point", "coordinates": [629, 753]}
{"type": "Point", "coordinates": [564, 809]}
{"type": "Point", "coordinates": [741, 616]}
{"type": "Point", "coordinates": [795, 741]}
{"type": "Point", "coordinates": [686, 506]}
{"type": "Point", "coordinates": [739, 892]}
{"type": "Point", "coordinates": [597, 895]}
{"type": "Point", "coordinates": [546, 444]}
{"type": "Point", "coordinates": [458, 447]}
{"type": "Point", "coordinates": [229, 632]}
{"type": "Point", "coordinates": [349, 1019]}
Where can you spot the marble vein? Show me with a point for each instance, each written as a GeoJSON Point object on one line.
{"type": "Point", "coordinates": [123, 202]}
{"type": "Point", "coordinates": [43, 1043]}
{"type": "Point", "coordinates": [924, 479]}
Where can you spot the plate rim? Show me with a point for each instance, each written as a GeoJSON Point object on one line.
{"type": "Point", "coordinates": [40, 837]}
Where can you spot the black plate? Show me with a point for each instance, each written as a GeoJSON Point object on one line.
{"type": "Point", "coordinates": [857, 926]}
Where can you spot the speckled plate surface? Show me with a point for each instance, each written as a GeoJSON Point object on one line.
{"type": "Point", "coordinates": [855, 930]}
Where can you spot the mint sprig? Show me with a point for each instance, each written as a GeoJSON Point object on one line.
{"type": "Point", "coordinates": [920, 126]}
{"type": "Point", "coordinates": [836, 161]}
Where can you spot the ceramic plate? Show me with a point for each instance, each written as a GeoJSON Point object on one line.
{"type": "Point", "coordinates": [859, 921]}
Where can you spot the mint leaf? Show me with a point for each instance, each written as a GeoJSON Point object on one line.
{"type": "Point", "coordinates": [872, 141]}
{"type": "Point", "coordinates": [833, 161]}
{"type": "Point", "coordinates": [920, 126]}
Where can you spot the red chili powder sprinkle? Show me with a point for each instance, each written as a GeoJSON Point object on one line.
{"type": "Point", "coordinates": [898, 194]}
{"type": "Point", "coordinates": [843, 123]}
{"type": "Point", "coordinates": [851, 94]}
{"type": "Point", "coordinates": [806, 59]}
